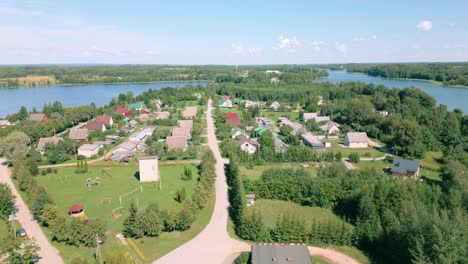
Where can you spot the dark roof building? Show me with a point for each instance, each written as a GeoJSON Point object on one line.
{"type": "Point", "coordinates": [38, 117]}
{"type": "Point", "coordinates": [280, 254]}
{"type": "Point", "coordinates": [55, 115]}
{"type": "Point", "coordinates": [403, 167]}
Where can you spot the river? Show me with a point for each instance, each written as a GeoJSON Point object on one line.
{"type": "Point", "coordinates": [11, 99]}
{"type": "Point", "coordinates": [452, 97]}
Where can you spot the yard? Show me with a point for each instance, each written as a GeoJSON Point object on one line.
{"type": "Point", "coordinates": [363, 152]}
{"type": "Point", "coordinates": [67, 188]}
{"type": "Point", "coordinates": [293, 116]}
{"type": "Point", "coordinates": [256, 171]}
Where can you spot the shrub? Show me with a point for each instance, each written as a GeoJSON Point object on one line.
{"type": "Point", "coordinates": [80, 157]}
{"type": "Point", "coordinates": [354, 157]}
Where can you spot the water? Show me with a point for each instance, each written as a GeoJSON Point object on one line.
{"type": "Point", "coordinates": [452, 97]}
{"type": "Point", "coordinates": [12, 99]}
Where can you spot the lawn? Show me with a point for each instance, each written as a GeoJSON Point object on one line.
{"type": "Point", "coordinates": [67, 188]}
{"type": "Point", "coordinates": [256, 171]}
{"type": "Point", "coordinates": [378, 165]}
{"type": "Point", "coordinates": [294, 116]}
{"type": "Point", "coordinates": [431, 160]}
{"type": "Point", "coordinates": [363, 152]}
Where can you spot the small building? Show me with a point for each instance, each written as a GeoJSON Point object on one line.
{"type": "Point", "coordinates": [190, 112]}
{"type": "Point", "coordinates": [331, 128]}
{"type": "Point", "coordinates": [406, 168]}
{"type": "Point", "coordinates": [176, 143]}
{"type": "Point", "coordinates": [4, 123]}
{"type": "Point", "coordinates": [280, 254]}
{"type": "Point", "coordinates": [103, 143]}
{"type": "Point", "coordinates": [275, 80]}
{"type": "Point", "coordinates": [143, 117]}
{"type": "Point", "coordinates": [237, 132]}
{"type": "Point", "coordinates": [235, 122]}
{"type": "Point", "coordinates": [162, 115]}
{"type": "Point", "coordinates": [149, 170]}
{"type": "Point", "coordinates": [383, 113]}
{"type": "Point", "coordinates": [80, 134]}
{"type": "Point", "coordinates": [275, 105]}
{"type": "Point", "coordinates": [139, 136]}
{"type": "Point", "coordinates": [248, 145]}
{"type": "Point", "coordinates": [320, 100]}
{"type": "Point", "coordinates": [280, 146]}
{"type": "Point", "coordinates": [89, 150]}
{"type": "Point", "coordinates": [105, 119]}
{"type": "Point", "coordinates": [197, 95]}
{"type": "Point", "coordinates": [126, 147]}
{"type": "Point", "coordinates": [157, 103]}
{"type": "Point", "coordinates": [261, 129]}
{"type": "Point", "coordinates": [224, 103]}
{"type": "Point", "coordinates": [263, 121]}
{"type": "Point", "coordinates": [314, 142]}
{"type": "Point", "coordinates": [181, 132]}
{"type": "Point", "coordinates": [132, 123]}
{"type": "Point", "coordinates": [249, 103]}
{"type": "Point", "coordinates": [43, 141]}
{"type": "Point", "coordinates": [76, 210]}
{"type": "Point", "coordinates": [356, 140]}
{"type": "Point", "coordinates": [95, 126]}
{"type": "Point", "coordinates": [296, 128]}
{"type": "Point", "coordinates": [226, 97]}
{"type": "Point", "coordinates": [38, 117]}
{"type": "Point", "coordinates": [244, 73]}
{"type": "Point", "coordinates": [55, 115]}
{"type": "Point", "coordinates": [123, 111]}
{"type": "Point", "coordinates": [185, 124]}
{"type": "Point", "coordinates": [272, 71]}
{"type": "Point", "coordinates": [315, 117]}
{"type": "Point", "coordinates": [250, 199]}
{"type": "Point", "coordinates": [138, 106]}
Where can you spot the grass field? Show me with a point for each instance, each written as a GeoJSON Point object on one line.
{"type": "Point", "coordinates": [31, 80]}
{"type": "Point", "coordinates": [257, 171]}
{"type": "Point", "coordinates": [431, 160]}
{"type": "Point", "coordinates": [67, 188]}
{"type": "Point", "coordinates": [354, 253]}
{"type": "Point", "coordinates": [363, 152]}
{"type": "Point", "coordinates": [294, 116]}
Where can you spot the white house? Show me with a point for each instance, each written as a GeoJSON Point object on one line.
{"type": "Point", "coordinates": [248, 145]}
{"type": "Point", "coordinates": [225, 103]}
{"type": "Point", "coordinates": [275, 80]}
{"type": "Point", "coordinates": [149, 170]}
{"type": "Point", "coordinates": [356, 140]}
{"type": "Point", "coordinates": [249, 103]}
{"type": "Point", "coordinates": [275, 105]}
{"type": "Point", "coordinates": [89, 150]}
{"type": "Point", "coordinates": [316, 117]}
{"type": "Point", "coordinates": [331, 128]}
{"type": "Point", "coordinates": [272, 71]}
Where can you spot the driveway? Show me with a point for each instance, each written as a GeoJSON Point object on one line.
{"type": "Point", "coordinates": [47, 253]}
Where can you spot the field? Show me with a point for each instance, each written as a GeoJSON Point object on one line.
{"type": "Point", "coordinates": [30, 80]}
{"type": "Point", "coordinates": [363, 152]}
{"type": "Point", "coordinates": [67, 188]}
{"type": "Point", "coordinates": [294, 116]}
{"type": "Point", "coordinates": [256, 171]}
{"type": "Point", "coordinates": [431, 160]}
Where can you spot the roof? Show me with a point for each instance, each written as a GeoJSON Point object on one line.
{"type": "Point", "coordinates": [105, 119]}
{"type": "Point", "coordinates": [38, 117]}
{"type": "Point", "coordinates": [226, 97]}
{"type": "Point", "coordinates": [121, 110]}
{"type": "Point", "coordinates": [133, 122]}
{"type": "Point", "coordinates": [175, 142]}
{"type": "Point", "coordinates": [43, 141]}
{"type": "Point", "coordinates": [185, 123]}
{"type": "Point", "coordinates": [55, 115]}
{"type": "Point", "coordinates": [357, 137]}
{"type": "Point", "coordinates": [280, 254]}
{"type": "Point", "coordinates": [236, 130]}
{"type": "Point", "coordinates": [250, 141]}
{"type": "Point", "coordinates": [148, 158]}
{"type": "Point", "coordinates": [259, 130]}
{"type": "Point", "coordinates": [280, 146]}
{"type": "Point", "coordinates": [295, 126]}
{"type": "Point", "coordinates": [129, 146]}
{"type": "Point", "coordinates": [76, 208]}
{"type": "Point", "coordinates": [142, 133]}
{"type": "Point", "coordinates": [308, 116]}
{"type": "Point", "coordinates": [230, 115]}
{"type": "Point", "coordinates": [250, 196]}
{"type": "Point", "coordinates": [94, 125]}
{"type": "Point", "coordinates": [190, 111]}
{"type": "Point", "coordinates": [403, 166]}
{"type": "Point", "coordinates": [137, 105]}
{"type": "Point", "coordinates": [233, 122]}
{"type": "Point", "coordinates": [181, 132]}
{"type": "Point", "coordinates": [90, 147]}
{"type": "Point", "coordinates": [311, 139]}
{"type": "Point", "coordinates": [162, 115]}
{"type": "Point", "coordinates": [328, 125]}
{"type": "Point", "coordinates": [78, 133]}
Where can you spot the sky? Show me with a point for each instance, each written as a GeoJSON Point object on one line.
{"type": "Point", "coordinates": [232, 32]}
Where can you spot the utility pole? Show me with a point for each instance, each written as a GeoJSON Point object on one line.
{"type": "Point", "coordinates": [98, 249]}
{"type": "Point", "coordinates": [11, 218]}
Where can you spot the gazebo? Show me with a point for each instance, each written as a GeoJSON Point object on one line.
{"type": "Point", "coordinates": [76, 210]}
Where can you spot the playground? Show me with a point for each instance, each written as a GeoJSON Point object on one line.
{"type": "Point", "coordinates": [106, 192]}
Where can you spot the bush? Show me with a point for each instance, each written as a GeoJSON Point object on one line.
{"type": "Point", "coordinates": [80, 157]}
{"type": "Point", "coordinates": [187, 174]}
{"type": "Point", "coordinates": [354, 157]}
{"type": "Point", "coordinates": [43, 172]}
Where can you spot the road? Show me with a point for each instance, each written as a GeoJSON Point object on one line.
{"type": "Point", "coordinates": [47, 253]}
{"type": "Point", "coordinates": [213, 244]}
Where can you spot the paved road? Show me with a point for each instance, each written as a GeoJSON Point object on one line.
{"type": "Point", "coordinates": [47, 253]}
{"type": "Point", "coordinates": [213, 244]}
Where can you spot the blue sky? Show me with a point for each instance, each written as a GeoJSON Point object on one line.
{"type": "Point", "coordinates": [232, 32]}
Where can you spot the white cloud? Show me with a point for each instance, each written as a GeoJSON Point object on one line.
{"type": "Point", "coordinates": [288, 45]}
{"type": "Point", "coordinates": [341, 47]}
{"type": "Point", "coordinates": [372, 37]}
{"type": "Point", "coordinates": [317, 45]}
{"type": "Point", "coordinates": [240, 49]}
{"type": "Point", "coordinates": [415, 46]}
{"type": "Point", "coordinates": [424, 25]}
{"type": "Point", "coordinates": [8, 10]}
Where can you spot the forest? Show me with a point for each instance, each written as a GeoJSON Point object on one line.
{"type": "Point", "coordinates": [445, 73]}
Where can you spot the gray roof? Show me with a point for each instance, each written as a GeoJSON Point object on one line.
{"type": "Point", "coordinates": [280, 254]}
{"type": "Point", "coordinates": [38, 117]}
{"type": "Point", "coordinates": [403, 166]}
{"type": "Point", "coordinates": [78, 133]}
{"type": "Point", "coordinates": [89, 147]}
{"type": "Point", "coordinates": [357, 137]}
{"type": "Point", "coordinates": [129, 146]}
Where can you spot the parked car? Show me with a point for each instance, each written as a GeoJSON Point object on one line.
{"type": "Point", "coordinates": [21, 232]}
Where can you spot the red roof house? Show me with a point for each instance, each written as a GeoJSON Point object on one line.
{"type": "Point", "coordinates": [123, 111]}
{"type": "Point", "coordinates": [105, 119]}
{"type": "Point", "coordinates": [233, 122]}
{"type": "Point", "coordinates": [226, 97]}
{"type": "Point", "coordinates": [230, 115]}
{"type": "Point", "coordinates": [75, 209]}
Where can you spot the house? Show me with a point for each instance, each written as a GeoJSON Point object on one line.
{"type": "Point", "coordinates": [296, 128]}
{"type": "Point", "coordinates": [314, 141]}
{"type": "Point", "coordinates": [103, 143]}
{"type": "Point", "coordinates": [250, 199]}
{"type": "Point", "coordinates": [249, 103]}
{"type": "Point", "coordinates": [38, 117]}
{"type": "Point", "coordinates": [230, 115]}
{"type": "Point", "coordinates": [249, 128]}
{"type": "Point", "coordinates": [162, 115]}
{"type": "Point", "coordinates": [272, 71]}
{"type": "Point", "coordinates": [123, 111]}
{"type": "Point", "coordinates": [177, 143]}
{"type": "Point", "coordinates": [262, 121]}
{"type": "Point", "coordinates": [143, 117]}
{"type": "Point", "coordinates": [235, 122]}
{"type": "Point", "coordinates": [76, 210]}
{"type": "Point", "coordinates": [237, 132]}
{"type": "Point", "coordinates": [185, 124]}
{"type": "Point", "coordinates": [89, 150]}
{"type": "Point", "coordinates": [157, 103]}
{"type": "Point", "coordinates": [126, 147]}
{"type": "Point", "coordinates": [132, 123]}
{"type": "Point", "coordinates": [95, 126]}
{"type": "Point", "coordinates": [356, 140]}
{"type": "Point", "coordinates": [138, 106]}
{"type": "Point", "coordinates": [55, 115]}
{"type": "Point", "coordinates": [280, 146]}
{"type": "Point", "coordinates": [244, 73]}
{"type": "Point", "coordinates": [225, 103]}
{"type": "Point", "coordinates": [149, 170]}
{"type": "Point", "coordinates": [190, 112]}
{"type": "Point", "coordinates": [139, 136]}
{"type": "Point", "coordinates": [198, 96]}
{"type": "Point", "coordinates": [280, 254]}
{"type": "Point", "coordinates": [112, 138]}
{"type": "Point", "coordinates": [4, 123]}
{"type": "Point", "coordinates": [383, 113]}
{"type": "Point", "coordinates": [248, 145]}
{"type": "Point", "coordinates": [275, 105]}
{"type": "Point", "coordinates": [331, 128]}
{"type": "Point", "coordinates": [261, 129]}
{"type": "Point", "coordinates": [181, 132]}
{"type": "Point", "coordinates": [80, 134]}
{"type": "Point", "coordinates": [105, 119]}
{"type": "Point", "coordinates": [145, 111]}
{"type": "Point", "coordinates": [275, 80]}
{"type": "Point", "coordinates": [226, 97]}
{"type": "Point", "coordinates": [43, 141]}
{"type": "Point", "coordinates": [315, 117]}
{"type": "Point", "coordinates": [407, 168]}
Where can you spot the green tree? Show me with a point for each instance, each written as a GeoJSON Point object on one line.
{"type": "Point", "coordinates": [7, 201]}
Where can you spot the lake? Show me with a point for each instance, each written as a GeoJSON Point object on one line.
{"type": "Point", "coordinates": [452, 97]}
{"type": "Point", "coordinates": [73, 95]}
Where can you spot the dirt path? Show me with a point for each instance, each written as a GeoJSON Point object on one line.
{"type": "Point", "coordinates": [47, 253]}
{"type": "Point", "coordinates": [331, 256]}
{"type": "Point", "coordinates": [348, 164]}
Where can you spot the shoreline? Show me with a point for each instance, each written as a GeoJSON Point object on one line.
{"type": "Point", "coordinates": [107, 83]}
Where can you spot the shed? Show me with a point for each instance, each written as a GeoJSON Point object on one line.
{"type": "Point", "coordinates": [76, 210]}
{"type": "Point", "coordinates": [149, 170]}
{"type": "Point", "coordinates": [356, 140]}
{"type": "Point", "coordinates": [403, 167]}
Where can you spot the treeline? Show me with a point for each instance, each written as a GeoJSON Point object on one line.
{"type": "Point", "coordinates": [455, 73]}
{"type": "Point", "coordinates": [287, 75]}
{"type": "Point", "coordinates": [288, 228]}
{"type": "Point", "coordinates": [394, 221]}
{"type": "Point", "coordinates": [152, 221]}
